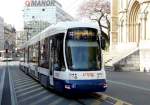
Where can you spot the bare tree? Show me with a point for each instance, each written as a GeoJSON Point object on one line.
{"type": "Point", "coordinates": [97, 10]}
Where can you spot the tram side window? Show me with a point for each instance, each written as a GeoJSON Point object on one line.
{"type": "Point", "coordinates": [33, 54]}
{"type": "Point", "coordinates": [26, 55]}
{"type": "Point", "coordinates": [44, 53]}
{"type": "Point", "coordinates": [59, 58]}
{"type": "Point", "coordinates": [23, 55]}
{"type": "Point", "coordinates": [30, 54]}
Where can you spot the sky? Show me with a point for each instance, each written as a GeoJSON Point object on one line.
{"type": "Point", "coordinates": [11, 10]}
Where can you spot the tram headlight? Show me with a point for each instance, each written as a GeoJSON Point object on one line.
{"type": "Point", "coordinates": [68, 87]}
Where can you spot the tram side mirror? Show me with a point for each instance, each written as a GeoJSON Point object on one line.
{"type": "Point", "coordinates": [103, 43]}
{"type": "Point", "coordinates": [57, 67]}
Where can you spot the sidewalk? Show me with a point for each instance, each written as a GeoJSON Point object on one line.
{"type": "Point", "coordinates": [5, 96]}
{"type": "Point", "coordinates": [2, 77]}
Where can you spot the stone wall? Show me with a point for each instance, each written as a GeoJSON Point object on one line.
{"type": "Point", "coordinates": [129, 63]}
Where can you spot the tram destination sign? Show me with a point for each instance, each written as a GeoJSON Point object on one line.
{"type": "Point", "coordinates": [82, 34]}
{"type": "Point", "coordinates": [39, 3]}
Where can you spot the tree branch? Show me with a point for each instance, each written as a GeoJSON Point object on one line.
{"type": "Point", "coordinates": [104, 26]}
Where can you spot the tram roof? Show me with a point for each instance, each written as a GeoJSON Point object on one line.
{"type": "Point", "coordinates": [60, 27]}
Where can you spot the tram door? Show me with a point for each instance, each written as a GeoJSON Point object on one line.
{"type": "Point", "coordinates": [56, 56]}
{"type": "Point", "coordinates": [51, 63]}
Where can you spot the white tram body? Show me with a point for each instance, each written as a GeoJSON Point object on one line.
{"type": "Point", "coordinates": [66, 57]}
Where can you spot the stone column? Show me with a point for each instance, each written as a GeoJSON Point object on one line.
{"type": "Point", "coordinates": [143, 24]}
{"type": "Point", "coordinates": [144, 48]}
{"type": "Point", "coordinates": [114, 24]}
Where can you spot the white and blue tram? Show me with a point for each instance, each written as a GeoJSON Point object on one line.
{"type": "Point", "coordinates": [66, 57]}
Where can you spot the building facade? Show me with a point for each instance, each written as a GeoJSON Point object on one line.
{"type": "Point", "coordinates": [7, 39]}
{"type": "Point", "coordinates": [130, 24]}
{"type": "Point", "coordinates": [20, 38]}
{"type": "Point", "coordinates": [10, 39]}
{"type": "Point", "coordinates": [1, 36]}
{"type": "Point", "coordinates": [39, 14]}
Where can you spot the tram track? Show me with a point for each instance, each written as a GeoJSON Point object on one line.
{"type": "Point", "coordinates": [91, 97]}
{"type": "Point", "coordinates": [108, 99]}
{"type": "Point", "coordinates": [100, 98]}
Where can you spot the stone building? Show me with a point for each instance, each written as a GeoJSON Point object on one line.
{"type": "Point", "coordinates": [20, 38]}
{"type": "Point", "coordinates": [9, 39]}
{"type": "Point", "coordinates": [1, 36]}
{"type": "Point", "coordinates": [130, 33]}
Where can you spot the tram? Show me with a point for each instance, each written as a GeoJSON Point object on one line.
{"type": "Point", "coordinates": [66, 57]}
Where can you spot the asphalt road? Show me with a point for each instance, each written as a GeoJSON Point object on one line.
{"type": "Point", "coordinates": [26, 91]}
{"type": "Point", "coordinates": [133, 87]}
{"type": "Point", "coordinates": [123, 88]}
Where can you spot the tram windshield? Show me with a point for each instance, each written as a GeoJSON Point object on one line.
{"type": "Point", "coordinates": [82, 51]}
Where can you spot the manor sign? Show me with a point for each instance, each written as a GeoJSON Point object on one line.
{"type": "Point", "coordinates": [39, 3]}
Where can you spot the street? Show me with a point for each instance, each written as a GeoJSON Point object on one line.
{"type": "Point", "coordinates": [56, 52]}
{"type": "Point", "coordinates": [124, 88]}
{"type": "Point", "coordinates": [133, 87]}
